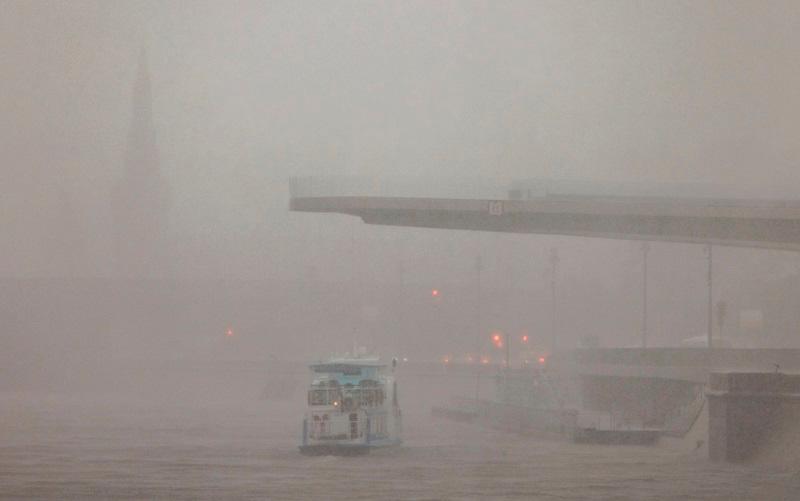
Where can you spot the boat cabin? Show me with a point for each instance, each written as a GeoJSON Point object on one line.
{"type": "Point", "coordinates": [351, 402]}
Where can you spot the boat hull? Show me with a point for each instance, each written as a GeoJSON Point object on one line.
{"type": "Point", "coordinates": [334, 450]}
{"type": "Point", "coordinates": [343, 449]}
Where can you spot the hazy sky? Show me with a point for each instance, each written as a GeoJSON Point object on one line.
{"type": "Point", "coordinates": [247, 94]}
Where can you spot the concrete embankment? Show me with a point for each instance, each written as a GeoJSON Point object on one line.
{"type": "Point", "coordinates": [753, 416]}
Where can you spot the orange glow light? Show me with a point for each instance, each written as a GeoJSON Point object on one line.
{"type": "Point", "coordinates": [496, 338]}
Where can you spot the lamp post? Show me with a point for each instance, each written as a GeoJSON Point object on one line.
{"type": "Point", "coordinates": [722, 310]}
{"type": "Point", "coordinates": [479, 331]}
{"type": "Point", "coordinates": [499, 338]}
{"type": "Point", "coordinates": [553, 269]}
{"type": "Point", "coordinates": [709, 328]}
{"type": "Point", "coordinates": [508, 353]}
{"type": "Point", "coordinates": [645, 251]}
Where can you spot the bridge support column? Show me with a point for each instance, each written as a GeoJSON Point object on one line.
{"type": "Point", "coordinates": [744, 409]}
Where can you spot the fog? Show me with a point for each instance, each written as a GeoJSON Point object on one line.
{"type": "Point", "coordinates": [147, 250]}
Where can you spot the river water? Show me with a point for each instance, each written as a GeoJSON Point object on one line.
{"type": "Point", "coordinates": [183, 444]}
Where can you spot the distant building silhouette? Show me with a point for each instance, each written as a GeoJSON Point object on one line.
{"type": "Point", "coordinates": [141, 197]}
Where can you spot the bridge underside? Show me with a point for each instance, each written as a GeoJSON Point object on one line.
{"type": "Point", "coordinates": [652, 385]}
{"type": "Point", "coordinates": [680, 364]}
{"type": "Point", "coordinates": [648, 386]}
{"type": "Point", "coordinates": [774, 226]}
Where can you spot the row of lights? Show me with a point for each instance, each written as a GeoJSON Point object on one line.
{"type": "Point", "coordinates": [497, 339]}
{"type": "Point", "coordinates": [446, 359]}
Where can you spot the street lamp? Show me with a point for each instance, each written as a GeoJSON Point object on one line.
{"type": "Point", "coordinates": [645, 251]}
{"type": "Point", "coordinates": [709, 328]}
{"type": "Point", "coordinates": [478, 323]}
{"type": "Point", "coordinates": [498, 340]}
{"type": "Point", "coordinates": [553, 269]}
{"type": "Point", "coordinates": [722, 310]}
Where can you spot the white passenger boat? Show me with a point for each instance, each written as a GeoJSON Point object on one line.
{"type": "Point", "coordinates": [352, 407]}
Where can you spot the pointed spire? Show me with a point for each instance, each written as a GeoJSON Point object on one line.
{"type": "Point", "coordinates": [142, 149]}
{"type": "Point", "coordinates": [142, 93]}
{"type": "Point", "coordinates": [141, 198]}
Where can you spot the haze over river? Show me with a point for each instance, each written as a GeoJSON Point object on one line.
{"type": "Point", "coordinates": [209, 433]}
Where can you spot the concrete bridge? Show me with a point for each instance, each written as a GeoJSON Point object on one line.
{"type": "Point", "coordinates": [618, 212]}
{"type": "Point", "coordinates": [691, 365]}
{"type": "Point", "coordinates": [646, 386]}
{"type": "Point", "coordinates": [652, 385]}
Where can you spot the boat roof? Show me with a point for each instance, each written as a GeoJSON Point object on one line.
{"type": "Point", "coordinates": [333, 363]}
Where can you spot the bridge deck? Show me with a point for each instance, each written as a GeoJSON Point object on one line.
{"type": "Point", "coordinates": [754, 223]}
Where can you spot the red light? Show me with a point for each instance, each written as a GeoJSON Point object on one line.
{"type": "Point", "coordinates": [498, 339]}
{"type": "Point", "coordinates": [525, 338]}
{"type": "Point", "coordinates": [435, 293]}
{"type": "Point", "coordinates": [446, 359]}
{"type": "Point", "coordinates": [541, 360]}
{"type": "Point", "coordinates": [229, 332]}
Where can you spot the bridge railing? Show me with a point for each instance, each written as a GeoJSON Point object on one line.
{"type": "Point", "coordinates": [401, 187]}
{"type": "Point", "coordinates": [496, 188]}
{"type": "Point", "coordinates": [719, 358]}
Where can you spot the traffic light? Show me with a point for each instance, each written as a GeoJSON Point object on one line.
{"type": "Point", "coordinates": [497, 339]}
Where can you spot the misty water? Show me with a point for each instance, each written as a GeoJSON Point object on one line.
{"type": "Point", "coordinates": [209, 432]}
{"type": "Point", "coordinates": [155, 288]}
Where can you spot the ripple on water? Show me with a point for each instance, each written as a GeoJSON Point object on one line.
{"type": "Point", "coordinates": [91, 450]}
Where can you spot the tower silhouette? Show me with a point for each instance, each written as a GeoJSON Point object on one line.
{"type": "Point", "coordinates": [141, 196]}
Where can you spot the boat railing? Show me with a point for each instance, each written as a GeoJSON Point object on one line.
{"type": "Point", "coordinates": [348, 397]}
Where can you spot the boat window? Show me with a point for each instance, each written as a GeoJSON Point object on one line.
{"type": "Point", "coordinates": [323, 395]}
{"type": "Point", "coordinates": [371, 393]}
{"type": "Point", "coordinates": [368, 397]}
{"type": "Point", "coordinates": [315, 397]}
